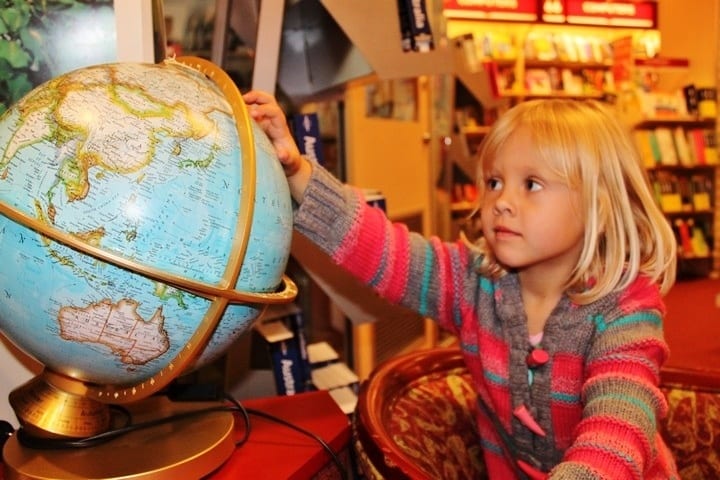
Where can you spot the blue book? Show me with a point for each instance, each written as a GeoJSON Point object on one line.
{"type": "Point", "coordinates": [306, 130]}
{"type": "Point", "coordinates": [289, 358]}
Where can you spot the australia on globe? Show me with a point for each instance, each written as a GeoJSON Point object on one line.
{"type": "Point", "coordinates": [145, 222]}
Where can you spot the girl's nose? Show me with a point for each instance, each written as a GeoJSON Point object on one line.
{"type": "Point", "coordinates": [503, 203]}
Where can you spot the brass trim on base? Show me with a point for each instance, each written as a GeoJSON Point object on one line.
{"type": "Point", "coordinates": [188, 448]}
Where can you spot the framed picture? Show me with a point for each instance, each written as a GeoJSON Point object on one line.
{"type": "Point", "coordinates": [47, 39]}
{"type": "Point", "coordinates": [392, 99]}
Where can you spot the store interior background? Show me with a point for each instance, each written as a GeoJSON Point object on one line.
{"type": "Point", "coordinates": [401, 159]}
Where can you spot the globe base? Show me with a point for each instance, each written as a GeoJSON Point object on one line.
{"type": "Point", "coordinates": [190, 447]}
{"type": "Point", "coordinates": [48, 407]}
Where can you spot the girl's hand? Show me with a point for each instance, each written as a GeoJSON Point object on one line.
{"type": "Point", "coordinates": [264, 109]}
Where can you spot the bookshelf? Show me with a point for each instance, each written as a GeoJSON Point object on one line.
{"type": "Point", "coordinates": [529, 61]}
{"type": "Point", "coordinates": [681, 158]}
{"type": "Point", "coordinates": [459, 177]}
{"type": "Point", "coordinates": [532, 78]}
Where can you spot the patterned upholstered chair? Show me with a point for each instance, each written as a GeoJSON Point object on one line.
{"type": "Point", "coordinates": [415, 420]}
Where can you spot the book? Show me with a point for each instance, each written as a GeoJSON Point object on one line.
{"type": "Point", "coordinates": [681, 147]}
{"type": "Point", "coordinates": [287, 346]}
{"type": "Point", "coordinates": [406, 35]}
{"type": "Point", "coordinates": [654, 146]}
{"type": "Point", "coordinates": [711, 153]}
{"type": "Point", "coordinates": [697, 143]}
{"type": "Point", "coordinates": [537, 81]}
{"type": "Point", "coordinates": [645, 149]}
{"type": "Point", "coordinates": [691, 99]}
{"type": "Point", "coordinates": [707, 102]}
{"type": "Point", "coordinates": [683, 229]}
{"type": "Point", "coordinates": [416, 18]}
{"type": "Point", "coordinates": [701, 186]}
{"type": "Point", "coordinates": [306, 130]}
{"type": "Point", "coordinates": [668, 154]}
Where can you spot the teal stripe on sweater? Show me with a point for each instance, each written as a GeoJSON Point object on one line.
{"type": "Point", "coordinates": [640, 317]}
{"type": "Point", "coordinates": [491, 447]}
{"type": "Point", "coordinates": [565, 397]}
{"type": "Point", "coordinates": [614, 397]}
{"type": "Point", "coordinates": [486, 285]}
{"type": "Point", "coordinates": [494, 378]}
{"type": "Point", "coordinates": [425, 287]}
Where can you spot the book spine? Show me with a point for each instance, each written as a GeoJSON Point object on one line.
{"type": "Point", "coordinates": [668, 154]}
{"type": "Point", "coordinates": [306, 130]}
{"type": "Point", "coordinates": [698, 144]}
{"type": "Point", "coordinates": [286, 363]}
{"type": "Point", "coordinates": [710, 140]}
{"type": "Point", "coordinates": [415, 13]}
{"type": "Point", "coordinates": [655, 147]}
{"type": "Point", "coordinates": [297, 326]}
{"type": "Point", "coordinates": [681, 146]}
{"type": "Point", "coordinates": [406, 35]}
{"type": "Point", "coordinates": [289, 359]}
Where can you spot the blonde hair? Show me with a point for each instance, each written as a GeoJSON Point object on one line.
{"type": "Point", "coordinates": [627, 233]}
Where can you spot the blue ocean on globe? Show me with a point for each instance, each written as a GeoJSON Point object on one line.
{"type": "Point", "coordinates": [147, 164]}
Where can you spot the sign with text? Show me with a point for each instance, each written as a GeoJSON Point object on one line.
{"type": "Point", "coordinates": [630, 14]}
{"type": "Point", "coordinates": [613, 14]}
{"type": "Point", "coordinates": [502, 10]}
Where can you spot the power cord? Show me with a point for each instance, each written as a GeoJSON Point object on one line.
{"type": "Point", "coordinates": [39, 443]}
{"type": "Point", "coordinates": [336, 460]}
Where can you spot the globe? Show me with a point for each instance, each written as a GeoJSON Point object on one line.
{"type": "Point", "coordinates": [145, 224]}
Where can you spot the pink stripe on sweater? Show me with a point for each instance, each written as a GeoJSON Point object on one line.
{"type": "Point", "coordinates": [360, 254]}
{"type": "Point", "coordinates": [397, 280]}
{"type": "Point", "coordinates": [445, 287]}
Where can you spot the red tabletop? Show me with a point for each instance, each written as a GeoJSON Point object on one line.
{"type": "Point", "coordinates": [276, 452]}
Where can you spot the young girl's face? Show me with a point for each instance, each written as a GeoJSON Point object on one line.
{"type": "Point", "coordinates": [530, 216]}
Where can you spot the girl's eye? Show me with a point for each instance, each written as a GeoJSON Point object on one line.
{"type": "Point", "coordinates": [532, 185]}
{"type": "Point", "coordinates": [494, 184]}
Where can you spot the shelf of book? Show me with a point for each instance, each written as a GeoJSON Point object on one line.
{"type": "Point", "coordinates": [681, 159]}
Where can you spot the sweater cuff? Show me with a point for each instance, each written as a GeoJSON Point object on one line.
{"type": "Point", "coordinates": [325, 214]}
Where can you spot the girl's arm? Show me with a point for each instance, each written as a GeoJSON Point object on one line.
{"type": "Point", "coordinates": [618, 436]}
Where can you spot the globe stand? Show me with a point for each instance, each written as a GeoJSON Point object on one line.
{"type": "Point", "coordinates": [187, 448]}
{"type": "Point", "coordinates": [52, 406]}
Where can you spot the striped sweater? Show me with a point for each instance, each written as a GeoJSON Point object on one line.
{"type": "Point", "coordinates": [595, 403]}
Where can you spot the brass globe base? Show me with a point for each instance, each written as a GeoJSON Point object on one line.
{"type": "Point", "coordinates": [188, 448]}
{"type": "Point", "coordinates": [46, 409]}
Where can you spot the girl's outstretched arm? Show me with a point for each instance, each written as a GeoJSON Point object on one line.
{"type": "Point", "coordinates": [264, 109]}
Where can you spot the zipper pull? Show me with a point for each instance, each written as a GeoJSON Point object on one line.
{"type": "Point", "coordinates": [522, 414]}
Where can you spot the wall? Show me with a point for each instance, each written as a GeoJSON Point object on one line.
{"type": "Point", "coordinates": [689, 28]}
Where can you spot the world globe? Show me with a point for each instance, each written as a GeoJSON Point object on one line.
{"type": "Point", "coordinates": [145, 224]}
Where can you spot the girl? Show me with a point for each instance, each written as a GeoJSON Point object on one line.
{"type": "Point", "coordinates": [557, 308]}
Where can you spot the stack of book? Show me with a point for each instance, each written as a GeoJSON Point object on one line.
{"type": "Point", "coordinates": [301, 367]}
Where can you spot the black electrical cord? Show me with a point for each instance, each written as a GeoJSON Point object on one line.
{"type": "Point", "coordinates": [336, 460]}
{"type": "Point", "coordinates": [246, 418]}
